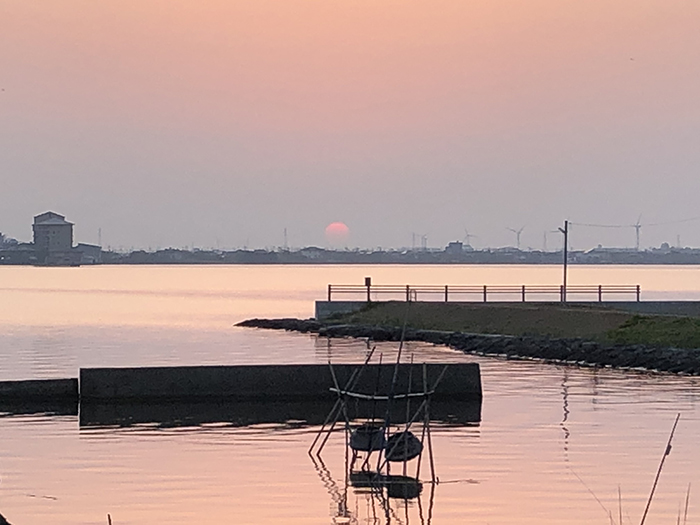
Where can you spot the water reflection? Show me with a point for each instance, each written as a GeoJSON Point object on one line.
{"type": "Point", "coordinates": [565, 410]}
{"type": "Point", "coordinates": [366, 498]}
{"type": "Point", "coordinates": [15, 407]}
{"type": "Point", "coordinates": [248, 413]}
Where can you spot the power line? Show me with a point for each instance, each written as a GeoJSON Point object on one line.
{"type": "Point", "coordinates": [692, 219]}
{"type": "Point", "coordinates": [665, 223]}
{"type": "Point", "coordinates": [601, 225]}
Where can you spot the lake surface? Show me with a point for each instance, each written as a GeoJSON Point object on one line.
{"type": "Point", "coordinates": [554, 444]}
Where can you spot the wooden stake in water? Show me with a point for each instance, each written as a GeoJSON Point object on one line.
{"type": "Point", "coordinates": [619, 501]}
{"type": "Point", "coordinates": [658, 472]}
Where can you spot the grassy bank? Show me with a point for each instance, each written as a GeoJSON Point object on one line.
{"type": "Point", "coordinates": [679, 332]}
{"type": "Point", "coordinates": [536, 319]}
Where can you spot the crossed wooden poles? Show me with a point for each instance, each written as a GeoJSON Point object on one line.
{"type": "Point", "coordinates": [391, 448]}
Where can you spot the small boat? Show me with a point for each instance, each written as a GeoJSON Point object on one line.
{"type": "Point", "coordinates": [403, 446]}
{"type": "Point", "coordinates": [367, 438]}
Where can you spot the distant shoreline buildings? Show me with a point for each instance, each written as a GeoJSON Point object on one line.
{"type": "Point", "coordinates": [53, 246]}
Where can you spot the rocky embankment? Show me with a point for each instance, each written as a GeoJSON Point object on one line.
{"type": "Point", "coordinates": [555, 350]}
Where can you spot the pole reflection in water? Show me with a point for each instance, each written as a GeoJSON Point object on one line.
{"type": "Point", "coordinates": [565, 417]}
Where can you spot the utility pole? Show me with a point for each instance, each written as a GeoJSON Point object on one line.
{"type": "Point", "coordinates": [565, 231]}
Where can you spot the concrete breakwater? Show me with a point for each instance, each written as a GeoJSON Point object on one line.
{"type": "Point", "coordinates": [242, 393]}
{"type": "Point", "coordinates": [558, 350]}
{"type": "Point", "coordinates": [270, 382]}
{"type": "Point", "coordinates": [54, 396]}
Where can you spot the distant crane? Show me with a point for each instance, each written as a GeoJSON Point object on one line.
{"type": "Point", "coordinates": [517, 235]}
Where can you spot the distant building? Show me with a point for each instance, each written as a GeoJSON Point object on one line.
{"type": "Point", "coordinates": [89, 253]}
{"type": "Point", "coordinates": [53, 240]}
{"type": "Point", "coordinates": [455, 247]}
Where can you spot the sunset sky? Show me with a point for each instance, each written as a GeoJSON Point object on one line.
{"type": "Point", "coordinates": [222, 122]}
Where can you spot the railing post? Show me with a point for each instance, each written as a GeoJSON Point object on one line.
{"type": "Point", "coordinates": [329, 292]}
{"type": "Point", "coordinates": [368, 284]}
{"type": "Point", "coordinates": [639, 293]}
{"type": "Point", "coordinates": [446, 293]}
{"type": "Point", "coordinates": [408, 293]}
{"type": "Point", "coordinates": [484, 293]}
{"type": "Point", "coordinates": [523, 292]}
{"type": "Point", "coordinates": [600, 293]}
{"type": "Point", "coordinates": [561, 293]}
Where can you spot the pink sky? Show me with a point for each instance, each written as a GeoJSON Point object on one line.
{"type": "Point", "coordinates": [179, 122]}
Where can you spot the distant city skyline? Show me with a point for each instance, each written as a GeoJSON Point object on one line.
{"type": "Point", "coordinates": [587, 236]}
{"type": "Point", "coordinates": [223, 123]}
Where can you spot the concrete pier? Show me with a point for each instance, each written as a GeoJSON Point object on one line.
{"type": "Point", "coordinates": [271, 382]}
{"type": "Point", "coordinates": [326, 309]}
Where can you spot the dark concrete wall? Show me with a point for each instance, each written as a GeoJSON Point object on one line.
{"type": "Point", "coordinates": [39, 390]}
{"type": "Point", "coordinates": [269, 382]}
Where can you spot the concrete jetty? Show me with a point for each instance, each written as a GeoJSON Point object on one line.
{"type": "Point", "coordinates": [460, 381]}
{"type": "Point", "coordinates": [325, 310]}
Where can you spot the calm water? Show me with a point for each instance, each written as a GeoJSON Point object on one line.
{"type": "Point", "coordinates": [548, 436]}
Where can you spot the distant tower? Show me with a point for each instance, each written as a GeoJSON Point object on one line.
{"type": "Point", "coordinates": [517, 235]}
{"type": "Point", "coordinates": [637, 227]}
{"type": "Point", "coordinates": [53, 235]}
{"type": "Point", "coordinates": [468, 237]}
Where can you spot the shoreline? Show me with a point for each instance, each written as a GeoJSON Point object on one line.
{"type": "Point", "coordinates": [554, 350]}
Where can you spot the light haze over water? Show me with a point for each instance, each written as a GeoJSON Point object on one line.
{"type": "Point", "coordinates": [220, 123]}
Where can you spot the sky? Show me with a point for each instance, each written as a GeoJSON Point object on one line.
{"type": "Point", "coordinates": [221, 123]}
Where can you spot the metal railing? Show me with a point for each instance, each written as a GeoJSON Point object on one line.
{"type": "Point", "coordinates": [455, 292]}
